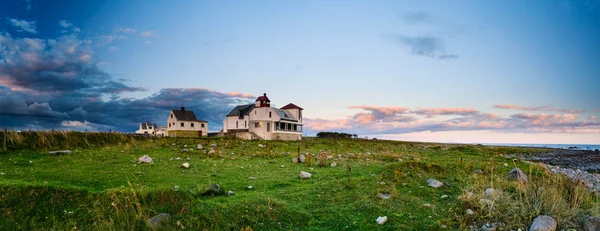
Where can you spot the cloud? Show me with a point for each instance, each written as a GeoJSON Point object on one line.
{"type": "Point", "coordinates": [414, 17]}
{"type": "Point", "coordinates": [28, 5]}
{"type": "Point", "coordinates": [65, 24]}
{"type": "Point", "coordinates": [68, 27]}
{"type": "Point", "coordinates": [146, 42]}
{"type": "Point", "coordinates": [22, 25]}
{"type": "Point", "coordinates": [125, 30]}
{"type": "Point", "coordinates": [539, 108]}
{"type": "Point", "coordinates": [400, 120]}
{"type": "Point", "coordinates": [428, 46]}
{"type": "Point", "coordinates": [147, 34]}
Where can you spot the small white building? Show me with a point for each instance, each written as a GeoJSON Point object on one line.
{"type": "Point", "coordinates": [182, 123]}
{"type": "Point", "coordinates": [162, 131]}
{"type": "Point", "coordinates": [261, 121]}
{"type": "Point", "coordinates": [147, 128]}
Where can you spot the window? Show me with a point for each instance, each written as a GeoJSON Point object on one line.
{"type": "Point", "coordinates": [268, 126]}
{"type": "Point", "coordinates": [182, 124]}
{"type": "Point", "coordinates": [171, 116]}
{"type": "Point", "coordinates": [169, 125]}
{"type": "Point", "coordinates": [241, 117]}
{"type": "Point", "coordinates": [149, 127]}
{"type": "Point", "coordinates": [236, 124]}
{"type": "Point", "coordinates": [201, 125]}
{"type": "Point", "coordinates": [192, 125]}
{"type": "Point", "coordinates": [245, 122]}
{"type": "Point", "coordinates": [255, 112]}
{"type": "Point", "coordinates": [269, 114]}
{"type": "Point", "coordinates": [256, 124]}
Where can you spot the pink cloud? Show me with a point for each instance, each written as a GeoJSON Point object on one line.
{"type": "Point", "coordinates": [430, 112]}
{"type": "Point", "coordinates": [323, 124]}
{"type": "Point", "coordinates": [383, 110]}
{"type": "Point", "coordinates": [241, 95]}
{"type": "Point", "coordinates": [147, 34]}
{"type": "Point", "coordinates": [539, 108]}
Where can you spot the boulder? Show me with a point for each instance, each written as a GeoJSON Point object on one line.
{"type": "Point", "coordinates": [333, 164]}
{"type": "Point", "coordinates": [489, 192]}
{"type": "Point", "coordinates": [185, 150]}
{"type": "Point", "coordinates": [295, 160]}
{"type": "Point", "coordinates": [212, 190]}
{"type": "Point", "coordinates": [213, 145]}
{"type": "Point", "coordinates": [591, 224]}
{"type": "Point", "coordinates": [469, 212]}
{"type": "Point", "coordinates": [145, 159]}
{"type": "Point", "coordinates": [305, 175]}
{"type": "Point", "coordinates": [158, 220]}
{"type": "Point", "coordinates": [175, 188]}
{"type": "Point", "coordinates": [434, 183]}
{"type": "Point", "coordinates": [543, 223]}
{"type": "Point", "coordinates": [384, 196]}
{"type": "Point", "coordinates": [61, 152]}
{"type": "Point", "coordinates": [517, 175]}
{"type": "Point", "coordinates": [301, 158]}
{"type": "Point", "coordinates": [185, 165]}
{"type": "Point", "coordinates": [381, 220]}
{"type": "Point", "coordinates": [200, 147]}
{"type": "Point", "coordinates": [230, 193]}
{"type": "Point", "coordinates": [212, 151]}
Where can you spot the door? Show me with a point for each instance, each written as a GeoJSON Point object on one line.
{"type": "Point", "coordinates": [199, 133]}
{"type": "Point", "coordinates": [268, 126]}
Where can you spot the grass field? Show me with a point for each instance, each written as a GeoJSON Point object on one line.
{"type": "Point", "coordinates": [103, 187]}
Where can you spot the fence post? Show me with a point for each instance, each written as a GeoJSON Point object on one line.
{"type": "Point", "coordinates": [86, 135]}
{"type": "Point", "coordinates": [5, 137]}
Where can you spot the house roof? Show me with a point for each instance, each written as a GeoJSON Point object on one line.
{"type": "Point", "coordinates": [145, 125]}
{"type": "Point", "coordinates": [263, 98]}
{"type": "Point", "coordinates": [284, 115]}
{"type": "Point", "coordinates": [183, 115]}
{"type": "Point", "coordinates": [292, 106]}
{"type": "Point", "coordinates": [241, 110]}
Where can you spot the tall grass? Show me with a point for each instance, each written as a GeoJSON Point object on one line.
{"type": "Point", "coordinates": [43, 140]}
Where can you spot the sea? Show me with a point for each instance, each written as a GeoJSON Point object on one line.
{"type": "Point", "coordinates": [558, 146]}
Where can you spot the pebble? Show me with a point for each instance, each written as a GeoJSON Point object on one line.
{"type": "Point", "coordinates": [469, 212]}
{"type": "Point", "coordinates": [381, 220]}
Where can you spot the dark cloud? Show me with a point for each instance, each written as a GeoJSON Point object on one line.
{"type": "Point", "coordinates": [57, 84]}
{"type": "Point", "coordinates": [447, 56]}
{"type": "Point", "coordinates": [414, 17]}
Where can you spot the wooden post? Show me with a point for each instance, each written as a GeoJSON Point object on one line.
{"type": "Point", "coordinates": [86, 135]}
{"type": "Point", "coordinates": [5, 137]}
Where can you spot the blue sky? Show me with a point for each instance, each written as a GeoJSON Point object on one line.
{"type": "Point", "coordinates": [510, 71]}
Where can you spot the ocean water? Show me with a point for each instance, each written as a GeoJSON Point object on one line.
{"type": "Point", "coordinates": [561, 146]}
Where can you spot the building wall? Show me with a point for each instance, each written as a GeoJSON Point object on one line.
{"type": "Point", "coordinates": [175, 125]}
{"type": "Point", "coordinates": [286, 136]}
{"type": "Point", "coordinates": [295, 113]}
{"type": "Point", "coordinates": [230, 123]}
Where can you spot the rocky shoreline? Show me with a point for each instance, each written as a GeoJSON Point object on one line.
{"type": "Point", "coordinates": [578, 165]}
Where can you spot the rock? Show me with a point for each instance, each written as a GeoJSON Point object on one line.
{"type": "Point", "coordinates": [213, 145]}
{"type": "Point", "coordinates": [443, 226]}
{"type": "Point", "coordinates": [230, 193]}
{"type": "Point", "coordinates": [333, 164]}
{"type": "Point", "coordinates": [305, 175]}
{"type": "Point", "coordinates": [185, 150]}
{"type": "Point", "coordinates": [444, 196]}
{"type": "Point", "coordinates": [591, 224]}
{"type": "Point", "coordinates": [212, 190]}
{"type": "Point", "coordinates": [251, 178]}
{"type": "Point", "coordinates": [250, 187]}
{"type": "Point", "coordinates": [173, 144]}
{"type": "Point", "coordinates": [517, 175]}
{"type": "Point", "coordinates": [478, 171]}
{"type": "Point", "coordinates": [427, 205]}
{"type": "Point", "coordinates": [185, 145]}
{"type": "Point", "coordinates": [145, 159]}
{"type": "Point", "coordinates": [212, 151]}
{"type": "Point", "coordinates": [175, 188]}
{"type": "Point", "coordinates": [469, 212]}
{"type": "Point", "coordinates": [61, 152]}
{"type": "Point", "coordinates": [301, 158]}
{"type": "Point", "coordinates": [295, 160]}
{"type": "Point", "coordinates": [543, 223]}
{"type": "Point", "coordinates": [373, 175]}
{"type": "Point", "coordinates": [489, 192]}
{"type": "Point", "coordinates": [158, 220]}
{"type": "Point", "coordinates": [505, 165]}
{"type": "Point", "coordinates": [261, 146]}
{"type": "Point", "coordinates": [381, 220]}
{"type": "Point", "coordinates": [185, 165]}
{"type": "Point", "coordinates": [487, 227]}
{"type": "Point", "coordinates": [200, 147]}
{"type": "Point", "coordinates": [384, 196]}
{"type": "Point", "coordinates": [434, 183]}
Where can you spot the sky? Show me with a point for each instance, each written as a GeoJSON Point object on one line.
{"type": "Point", "coordinates": [443, 71]}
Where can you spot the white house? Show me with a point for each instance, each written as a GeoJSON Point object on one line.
{"type": "Point", "coordinates": [261, 121]}
{"type": "Point", "coordinates": [147, 128]}
{"type": "Point", "coordinates": [182, 123]}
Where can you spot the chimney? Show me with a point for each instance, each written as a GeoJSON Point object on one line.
{"type": "Point", "coordinates": [264, 94]}
{"type": "Point", "coordinates": [182, 108]}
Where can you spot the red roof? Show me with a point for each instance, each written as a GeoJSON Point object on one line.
{"type": "Point", "coordinates": [292, 106]}
{"type": "Point", "coordinates": [263, 98]}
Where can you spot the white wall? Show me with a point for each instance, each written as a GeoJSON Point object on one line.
{"type": "Point", "coordinates": [230, 122]}
{"type": "Point", "coordinates": [173, 124]}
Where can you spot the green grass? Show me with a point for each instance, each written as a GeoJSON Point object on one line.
{"type": "Point", "coordinates": [102, 187]}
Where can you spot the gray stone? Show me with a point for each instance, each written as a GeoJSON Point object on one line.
{"type": "Point", "coordinates": [230, 193]}
{"type": "Point", "coordinates": [145, 159]}
{"type": "Point", "coordinates": [591, 224]}
{"type": "Point", "coordinates": [384, 196]}
{"type": "Point", "coordinates": [469, 212]}
{"type": "Point", "coordinates": [488, 227]}
{"type": "Point", "coordinates": [517, 175]}
{"type": "Point", "coordinates": [295, 160]}
{"type": "Point", "coordinates": [333, 164]}
{"type": "Point", "coordinates": [543, 223]}
{"type": "Point", "coordinates": [305, 175]}
{"type": "Point", "coordinates": [185, 150]}
{"type": "Point", "coordinates": [61, 152]}
{"type": "Point", "coordinates": [489, 192]}
{"type": "Point", "coordinates": [158, 220]}
{"type": "Point", "coordinates": [478, 171]}
{"type": "Point", "coordinates": [212, 151]}
{"type": "Point", "coordinates": [212, 190]}
{"type": "Point", "coordinates": [301, 158]}
{"type": "Point", "coordinates": [434, 183]}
